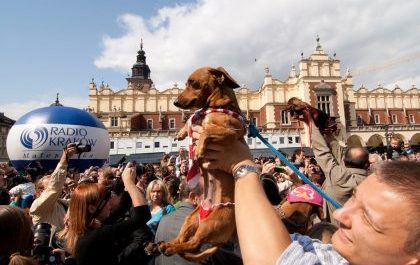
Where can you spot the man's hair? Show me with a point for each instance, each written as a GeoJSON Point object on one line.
{"type": "Point", "coordinates": [140, 170]}
{"type": "Point", "coordinates": [296, 153]}
{"type": "Point", "coordinates": [185, 189]}
{"type": "Point", "coordinates": [403, 177]}
{"type": "Point", "coordinates": [399, 140]}
{"type": "Point", "coordinates": [360, 161]}
{"type": "Point", "coordinates": [149, 168]}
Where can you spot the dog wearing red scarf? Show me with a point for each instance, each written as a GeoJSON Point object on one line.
{"type": "Point", "coordinates": [213, 222]}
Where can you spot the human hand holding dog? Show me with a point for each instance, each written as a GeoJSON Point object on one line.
{"type": "Point", "coordinates": [225, 157]}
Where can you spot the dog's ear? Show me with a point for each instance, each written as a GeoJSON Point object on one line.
{"type": "Point", "coordinates": [223, 77]}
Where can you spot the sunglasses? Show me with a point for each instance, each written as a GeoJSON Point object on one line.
{"type": "Point", "coordinates": [104, 200]}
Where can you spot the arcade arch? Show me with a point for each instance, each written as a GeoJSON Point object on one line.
{"type": "Point", "coordinates": [375, 140]}
{"type": "Point", "coordinates": [355, 141]}
{"type": "Point", "coordinates": [415, 139]}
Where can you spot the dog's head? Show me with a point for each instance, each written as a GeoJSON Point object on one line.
{"type": "Point", "coordinates": [295, 106]}
{"type": "Point", "coordinates": [207, 87]}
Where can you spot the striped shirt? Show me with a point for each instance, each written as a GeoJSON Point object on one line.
{"type": "Point", "coordinates": [307, 251]}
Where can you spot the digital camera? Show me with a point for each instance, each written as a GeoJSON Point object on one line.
{"type": "Point", "coordinates": [82, 148]}
{"type": "Point", "coordinates": [42, 251]}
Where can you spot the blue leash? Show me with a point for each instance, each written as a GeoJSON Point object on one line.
{"type": "Point", "coordinates": [253, 132]}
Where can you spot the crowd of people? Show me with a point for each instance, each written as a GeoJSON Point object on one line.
{"type": "Point", "coordinates": [109, 215]}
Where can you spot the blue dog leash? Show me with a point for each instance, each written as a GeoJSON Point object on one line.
{"type": "Point", "coordinates": [253, 132]}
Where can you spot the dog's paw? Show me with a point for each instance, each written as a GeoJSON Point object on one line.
{"type": "Point", "coordinates": [152, 249]}
{"type": "Point", "coordinates": [165, 249]}
{"type": "Point", "coordinates": [181, 135]}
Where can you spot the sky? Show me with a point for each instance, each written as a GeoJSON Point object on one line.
{"type": "Point", "coordinates": [50, 46]}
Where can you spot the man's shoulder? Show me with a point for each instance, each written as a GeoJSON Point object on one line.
{"type": "Point", "coordinates": [357, 174]}
{"type": "Point", "coordinates": [305, 250]}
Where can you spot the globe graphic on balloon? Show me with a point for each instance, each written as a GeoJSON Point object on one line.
{"type": "Point", "coordinates": [42, 134]}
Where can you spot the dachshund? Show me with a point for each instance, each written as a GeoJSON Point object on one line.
{"type": "Point", "coordinates": [209, 88]}
{"type": "Point", "coordinates": [323, 121]}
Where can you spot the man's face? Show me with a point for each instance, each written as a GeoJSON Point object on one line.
{"type": "Point", "coordinates": [184, 168]}
{"type": "Point", "coordinates": [371, 228]}
{"type": "Point", "coordinates": [394, 144]}
{"type": "Point", "coordinates": [301, 157]}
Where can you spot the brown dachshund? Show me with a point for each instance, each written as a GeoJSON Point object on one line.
{"type": "Point", "coordinates": [209, 88]}
{"type": "Point", "coordinates": [296, 216]}
{"type": "Point", "coordinates": [323, 121]}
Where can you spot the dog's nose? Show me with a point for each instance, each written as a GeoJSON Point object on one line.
{"type": "Point", "coordinates": [176, 103]}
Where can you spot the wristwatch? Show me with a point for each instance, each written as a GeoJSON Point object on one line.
{"type": "Point", "coordinates": [244, 169]}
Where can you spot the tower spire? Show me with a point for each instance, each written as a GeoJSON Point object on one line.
{"type": "Point", "coordinates": [140, 72]}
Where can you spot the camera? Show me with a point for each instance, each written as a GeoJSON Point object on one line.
{"type": "Point", "coordinates": [279, 169]}
{"type": "Point", "coordinates": [82, 148]}
{"type": "Point", "coordinates": [42, 251]}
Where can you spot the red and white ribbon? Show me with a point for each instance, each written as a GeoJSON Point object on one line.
{"type": "Point", "coordinates": [193, 175]}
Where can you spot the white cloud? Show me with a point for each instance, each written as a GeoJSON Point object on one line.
{"type": "Point", "coordinates": [17, 110]}
{"type": "Point", "coordinates": [234, 33]}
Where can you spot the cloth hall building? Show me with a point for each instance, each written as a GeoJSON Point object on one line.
{"type": "Point", "coordinates": [142, 119]}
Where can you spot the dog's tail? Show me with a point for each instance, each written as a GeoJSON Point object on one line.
{"type": "Point", "coordinates": [197, 257]}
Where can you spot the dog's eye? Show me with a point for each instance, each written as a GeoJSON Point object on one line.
{"type": "Point", "coordinates": [194, 84]}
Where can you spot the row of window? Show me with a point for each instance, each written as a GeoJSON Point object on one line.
{"type": "Point", "coordinates": [274, 140]}
{"type": "Point", "coordinates": [323, 103]}
{"type": "Point", "coordinates": [377, 119]}
{"type": "Point", "coordinates": [280, 140]}
{"type": "Point", "coordinates": [171, 124]}
{"type": "Point", "coordinates": [140, 145]}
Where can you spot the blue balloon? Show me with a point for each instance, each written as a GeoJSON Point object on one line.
{"type": "Point", "coordinates": [41, 135]}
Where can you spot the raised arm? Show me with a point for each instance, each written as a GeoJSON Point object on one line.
{"type": "Point", "coordinates": [324, 156]}
{"type": "Point", "coordinates": [48, 197]}
{"type": "Point", "coordinates": [129, 177]}
{"type": "Point", "coordinates": [258, 246]}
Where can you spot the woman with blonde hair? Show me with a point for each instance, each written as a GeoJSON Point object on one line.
{"type": "Point", "coordinates": [87, 239]}
{"type": "Point", "coordinates": [157, 195]}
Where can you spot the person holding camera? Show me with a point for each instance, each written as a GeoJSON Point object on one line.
{"type": "Point", "coordinates": [47, 207]}
{"type": "Point", "coordinates": [87, 239]}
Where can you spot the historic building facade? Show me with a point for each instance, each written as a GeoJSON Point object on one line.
{"type": "Point", "coordinates": [141, 119]}
{"type": "Point", "coordinates": [5, 125]}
